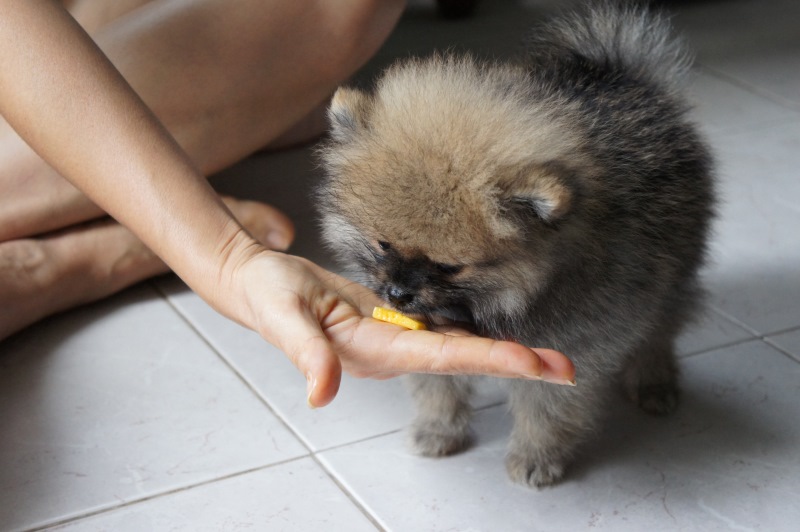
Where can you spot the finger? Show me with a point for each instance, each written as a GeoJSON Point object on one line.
{"type": "Point", "coordinates": [302, 340]}
{"type": "Point", "coordinates": [556, 367]}
{"type": "Point", "coordinates": [323, 372]}
{"type": "Point", "coordinates": [507, 359]}
{"type": "Point", "coordinates": [265, 223]}
{"type": "Point", "coordinates": [404, 351]}
{"type": "Point", "coordinates": [359, 296]}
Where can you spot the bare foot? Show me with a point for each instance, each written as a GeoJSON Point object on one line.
{"type": "Point", "coordinates": [43, 276]}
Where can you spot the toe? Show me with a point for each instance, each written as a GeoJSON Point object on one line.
{"type": "Point", "coordinates": [267, 224]}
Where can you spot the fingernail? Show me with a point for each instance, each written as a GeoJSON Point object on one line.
{"type": "Point", "coordinates": [562, 382]}
{"type": "Point", "coordinates": [277, 240]}
{"type": "Point", "coordinates": [311, 384]}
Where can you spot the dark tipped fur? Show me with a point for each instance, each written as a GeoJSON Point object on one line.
{"type": "Point", "coordinates": [564, 201]}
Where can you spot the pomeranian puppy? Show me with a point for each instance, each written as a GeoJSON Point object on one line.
{"type": "Point", "coordinates": [561, 201]}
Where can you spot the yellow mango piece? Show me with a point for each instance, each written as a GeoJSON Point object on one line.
{"type": "Point", "coordinates": [391, 316]}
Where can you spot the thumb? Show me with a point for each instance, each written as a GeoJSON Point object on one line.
{"type": "Point", "coordinates": [322, 369]}
{"type": "Point", "coordinates": [302, 339]}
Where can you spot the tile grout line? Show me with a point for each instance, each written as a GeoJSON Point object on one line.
{"type": "Point", "coordinates": [134, 502]}
{"type": "Point", "coordinates": [721, 346]}
{"type": "Point", "coordinates": [373, 519]}
{"type": "Point", "coordinates": [716, 135]}
{"type": "Point", "coordinates": [314, 454]}
{"type": "Point", "coordinates": [322, 463]}
{"type": "Point", "coordinates": [356, 442]}
{"type": "Point", "coordinates": [749, 87]}
{"type": "Point", "coordinates": [756, 336]}
{"type": "Point", "coordinates": [789, 354]}
{"type": "Point", "coordinates": [719, 137]}
{"type": "Point", "coordinates": [756, 333]}
{"type": "Point", "coordinates": [734, 320]}
{"type": "Point", "coordinates": [303, 441]}
{"type": "Point", "coordinates": [782, 331]}
{"type": "Point", "coordinates": [236, 372]}
{"type": "Point", "coordinates": [395, 431]}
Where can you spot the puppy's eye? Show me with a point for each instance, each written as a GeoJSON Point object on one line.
{"type": "Point", "coordinates": [385, 246]}
{"type": "Point", "coordinates": [449, 269]}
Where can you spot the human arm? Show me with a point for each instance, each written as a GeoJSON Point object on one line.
{"type": "Point", "coordinates": [70, 104]}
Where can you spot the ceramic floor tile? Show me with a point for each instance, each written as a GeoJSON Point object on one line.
{"type": "Point", "coordinates": [710, 330]}
{"type": "Point", "coordinates": [772, 69]}
{"type": "Point", "coordinates": [294, 496]}
{"type": "Point", "coordinates": [363, 408]}
{"type": "Point", "coordinates": [727, 460]}
{"type": "Point", "coordinates": [756, 43]}
{"type": "Point", "coordinates": [722, 107]}
{"type": "Point", "coordinates": [359, 411]}
{"type": "Point", "coordinates": [116, 402]}
{"type": "Point", "coordinates": [753, 274]}
{"type": "Point", "coordinates": [789, 342]}
{"type": "Point", "coordinates": [117, 407]}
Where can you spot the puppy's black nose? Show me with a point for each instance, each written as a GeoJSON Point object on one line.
{"type": "Point", "coordinates": [399, 296]}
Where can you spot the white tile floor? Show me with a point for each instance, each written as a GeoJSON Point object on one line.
{"type": "Point", "coordinates": [150, 412]}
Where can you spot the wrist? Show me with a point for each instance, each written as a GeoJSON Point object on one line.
{"type": "Point", "coordinates": [224, 286]}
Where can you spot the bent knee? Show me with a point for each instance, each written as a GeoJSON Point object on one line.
{"type": "Point", "coordinates": [358, 28]}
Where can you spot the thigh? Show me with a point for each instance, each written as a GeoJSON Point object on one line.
{"type": "Point", "coordinates": [94, 14]}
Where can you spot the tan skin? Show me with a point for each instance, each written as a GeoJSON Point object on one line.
{"type": "Point", "coordinates": [137, 141]}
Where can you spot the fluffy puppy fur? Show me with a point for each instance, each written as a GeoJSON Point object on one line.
{"type": "Point", "coordinates": [562, 200]}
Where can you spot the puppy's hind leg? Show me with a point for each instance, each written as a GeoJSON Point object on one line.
{"type": "Point", "coordinates": [443, 414]}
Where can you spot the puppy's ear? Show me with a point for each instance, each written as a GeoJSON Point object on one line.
{"type": "Point", "coordinates": [348, 113]}
{"type": "Point", "coordinates": [541, 193]}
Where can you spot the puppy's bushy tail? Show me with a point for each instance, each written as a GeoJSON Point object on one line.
{"type": "Point", "coordinates": [623, 35]}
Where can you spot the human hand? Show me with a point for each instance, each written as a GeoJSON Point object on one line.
{"type": "Point", "coordinates": [318, 319]}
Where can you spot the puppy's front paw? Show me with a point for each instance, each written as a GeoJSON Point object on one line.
{"type": "Point", "coordinates": [439, 439]}
{"type": "Point", "coordinates": [533, 471]}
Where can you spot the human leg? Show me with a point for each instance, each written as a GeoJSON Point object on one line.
{"type": "Point", "coordinates": [33, 197]}
{"type": "Point", "coordinates": [95, 14]}
{"type": "Point", "coordinates": [218, 122]}
{"type": "Point", "coordinates": [211, 73]}
{"type": "Point", "coordinates": [44, 275]}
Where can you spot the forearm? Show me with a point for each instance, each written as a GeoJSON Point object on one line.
{"type": "Point", "coordinates": [66, 100]}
